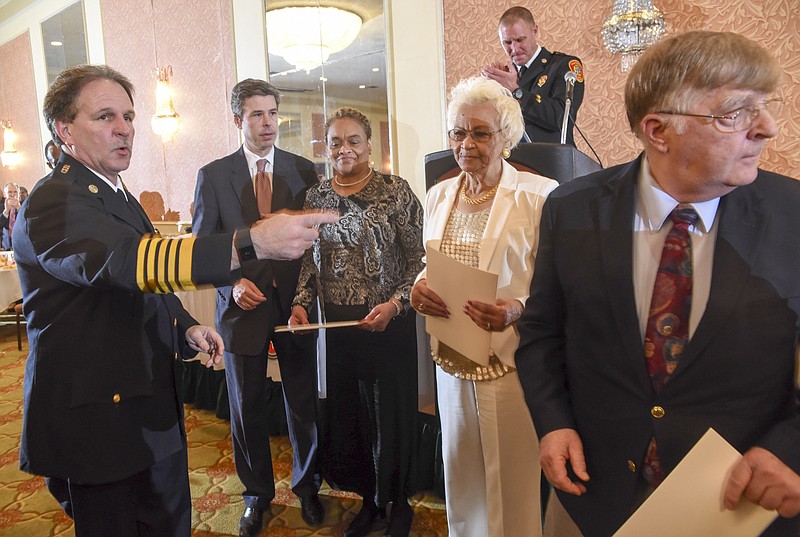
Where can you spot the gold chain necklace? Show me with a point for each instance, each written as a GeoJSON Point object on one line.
{"type": "Point", "coordinates": [477, 201]}
{"type": "Point", "coordinates": [336, 180]}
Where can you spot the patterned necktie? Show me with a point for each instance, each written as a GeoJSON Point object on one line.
{"type": "Point", "coordinates": [521, 72]}
{"type": "Point", "coordinates": [263, 188]}
{"type": "Point", "coordinates": [668, 320]}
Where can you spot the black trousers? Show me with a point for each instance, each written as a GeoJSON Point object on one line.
{"type": "Point", "coordinates": [156, 502]}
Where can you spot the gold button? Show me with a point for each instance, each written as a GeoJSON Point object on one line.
{"type": "Point", "coordinates": [657, 412]}
{"type": "Point", "coordinates": [174, 322]}
{"type": "Point", "coordinates": [631, 466]}
{"type": "Point", "coordinates": [176, 355]}
{"type": "Point", "coordinates": [116, 398]}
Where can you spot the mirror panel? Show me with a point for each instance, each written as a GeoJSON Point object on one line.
{"type": "Point", "coordinates": [64, 40]}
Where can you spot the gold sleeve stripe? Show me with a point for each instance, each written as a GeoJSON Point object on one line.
{"type": "Point", "coordinates": [164, 265]}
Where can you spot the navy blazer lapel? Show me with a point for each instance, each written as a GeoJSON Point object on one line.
{"type": "Point", "coordinates": [242, 184]}
{"type": "Point", "coordinates": [614, 217]}
{"type": "Point", "coordinates": [738, 241]}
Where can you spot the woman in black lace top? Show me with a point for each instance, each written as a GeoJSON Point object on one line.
{"type": "Point", "coordinates": [362, 268]}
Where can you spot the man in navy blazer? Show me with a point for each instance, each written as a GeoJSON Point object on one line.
{"type": "Point", "coordinates": [259, 300]}
{"type": "Point", "coordinates": [702, 105]}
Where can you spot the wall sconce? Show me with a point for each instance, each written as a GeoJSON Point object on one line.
{"type": "Point", "coordinates": [9, 157]}
{"type": "Point", "coordinates": [165, 121]}
{"type": "Point", "coordinates": [634, 25]}
{"type": "Point", "coordinates": [307, 36]}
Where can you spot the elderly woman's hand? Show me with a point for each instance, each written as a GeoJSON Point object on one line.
{"type": "Point", "coordinates": [494, 317]}
{"type": "Point", "coordinates": [299, 317]}
{"type": "Point", "coordinates": [426, 301]}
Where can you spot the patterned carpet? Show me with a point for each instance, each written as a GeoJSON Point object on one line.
{"type": "Point", "coordinates": [28, 510]}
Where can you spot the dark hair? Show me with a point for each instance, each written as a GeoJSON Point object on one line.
{"type": "Point", "coordinates": [60, 103]}
{"type": "Point", "coordinates": [249, 87]}
{"type": "Point", "coordinates": [516, 13]}
{"type": "Point", "coordinates": [349, 113]}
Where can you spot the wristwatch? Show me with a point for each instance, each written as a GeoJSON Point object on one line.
{"type": "Point", "coordinates": [517, 94]}
{"type": "Point", "coordinates": [244, 245]}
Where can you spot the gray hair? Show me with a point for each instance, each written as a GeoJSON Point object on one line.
{"type": "Point", "coordinates": [678, 71]}
{"type": "Point", "coordinates": [480, 90]}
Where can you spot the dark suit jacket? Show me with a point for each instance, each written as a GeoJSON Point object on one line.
{"type": "Point", "coordinates": [544, 94]}
{"type": "Point", "coordinates": [224, 201]}
{"type": "Point", "coordinates": [100, 401]}
{"type": "Point", "coordinates": [581, 358]}
{"type": "Point", "coordinates": [5, 239]}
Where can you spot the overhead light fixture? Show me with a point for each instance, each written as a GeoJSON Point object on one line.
{"type": "Point", "coordinates": [56, 43]}
{"type": "Point", "coordinates": [307, 36]}
{"type": "Point", "coordinates": [9, 157]}
{"type": "Point", "coordinates": [165, 121]}
{"type": "Point", "coordinates": [634, 25]}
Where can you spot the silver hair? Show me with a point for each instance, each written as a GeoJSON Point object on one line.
{"type": "Point", "coordinates": [479, 90]}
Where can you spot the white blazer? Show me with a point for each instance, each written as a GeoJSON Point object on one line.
{"type": "Point", "coordinates": [509, 243]}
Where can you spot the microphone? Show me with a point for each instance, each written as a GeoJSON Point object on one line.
{"type": "Point", "coordinates": [570, 78]}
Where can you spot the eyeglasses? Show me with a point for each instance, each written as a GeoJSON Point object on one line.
{"type": "Point", "coordinates": [740, 119]}
{"type": "Point", "coordinates": [459, 135]}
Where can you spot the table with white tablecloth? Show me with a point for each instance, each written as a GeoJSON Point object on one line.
{"type": "Point", "coordinates": [9, 286]}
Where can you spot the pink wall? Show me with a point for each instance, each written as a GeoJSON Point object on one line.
{"type": "Point", "coordinates": [196, 39]}
{"type": "Point", "coordinates": [18, 103]}
{"type": "Point", "coordinates": [471, 40]}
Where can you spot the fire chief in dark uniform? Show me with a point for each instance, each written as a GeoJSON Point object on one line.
{"type": "Point", "coordinates": [102, 418]}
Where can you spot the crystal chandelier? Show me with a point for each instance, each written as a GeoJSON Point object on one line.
{"type": "Point", "coordinates": [307, 36]}
{"type": "Point", "coordinates": [633, 26]}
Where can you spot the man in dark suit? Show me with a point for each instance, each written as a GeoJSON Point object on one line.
{"type": "Point", "coordinates": [226, 199]}
{"type": "Point", "coordinates": [8, 218]}
{"type": "Point", "coordinates": [535, 77]}
{"type": "Point", "coordinates": [102, 418]}
{"type": "Point", "coordinates": [627, 358]}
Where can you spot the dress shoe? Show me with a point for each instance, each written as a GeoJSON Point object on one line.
{"type": "Point", "coordinates": [252, 521]}
{"type": "Point", "coordinates": [400, 520]}
{"type": "Point", "coordinates": [312, 510]}
{"type": "Point", "coordinates": [362, 523]}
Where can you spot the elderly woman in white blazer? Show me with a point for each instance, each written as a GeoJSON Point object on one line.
{"type": "Point", "coordinates": [487, 217]}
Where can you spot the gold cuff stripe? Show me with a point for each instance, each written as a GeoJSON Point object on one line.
{"type": "Point", "coordinates": [165, 265]}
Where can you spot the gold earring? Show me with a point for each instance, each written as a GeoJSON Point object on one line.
{"type": "Point", "coordinates": [506, 152]}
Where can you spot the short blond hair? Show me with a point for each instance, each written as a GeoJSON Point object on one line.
{"type": "Point", "coordinates": [676, 72]}
{"type": "Point", "coordinates": [480, 90]}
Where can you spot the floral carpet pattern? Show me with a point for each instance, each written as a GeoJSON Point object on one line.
{"type": "Point", "coordinates": [28, 510]}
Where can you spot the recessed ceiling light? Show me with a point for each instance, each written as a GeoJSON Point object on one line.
{"type": "Point", "coordinates": [375, 69]}
{"type": "Point", "coordinates": [56, 43]}
{"type": "Point", "coordinates": [362, 86]}
{"type": "Point", "coordinates": [323, 79]}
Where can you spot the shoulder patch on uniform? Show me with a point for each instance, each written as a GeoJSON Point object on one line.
{"type": "Point", "coordinates": [541, 81]}
{"type": "Point", "coordinates": [576, 67]}
{"type": "Point", "coordinates": [65, 168]}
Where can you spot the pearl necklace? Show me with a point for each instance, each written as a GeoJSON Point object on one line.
{"type": "Point", "coordinates": [354, 183]}
{"type": "Point", "coordinates": [477, 201]}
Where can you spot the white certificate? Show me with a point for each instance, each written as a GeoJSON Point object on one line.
{"type": "Point", "coordinates": [455, 283]}
{"type": "Point", "coordinates": [689, 501]}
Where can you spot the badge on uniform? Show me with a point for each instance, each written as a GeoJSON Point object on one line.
{"type": "Point", "coordinates": [93, 189]}
{"type": "Point", "coordinates": [576, 67]}
{"type": "Point", "coordinates": [65, 168]}
{"type": "Point", "coordinates": [544, 60]}
{"type": "Point", "coordinates": [538, 98]}
{"type": "Point", "coordinates": [541, 81]}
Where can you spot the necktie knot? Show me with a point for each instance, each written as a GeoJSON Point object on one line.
{"type": "Point", "coordinates": [261, 164]}
{"type": "Point", "coordinates": [684, 215]}
{"type": "Point", "coordinates": [521, 71]}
